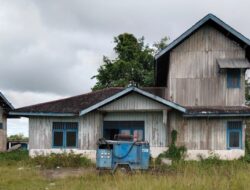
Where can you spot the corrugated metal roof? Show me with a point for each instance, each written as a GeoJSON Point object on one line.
{"type": "Point", "coordinates": [233, 63]}
{"type": "Point", "coordinates": [209, 17]}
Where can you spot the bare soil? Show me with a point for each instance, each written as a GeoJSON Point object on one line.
{"type": "Point", "coordinates": [60, 173]}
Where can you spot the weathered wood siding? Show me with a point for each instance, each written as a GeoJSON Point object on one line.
{"type": "Point", "coordinates": [89, 130]}
{"type": "Point", "coordinates": [155, 128]}
{"type": "Point", "coordinates": [133, 102]}
{"type": "Point", "coordinates": [201, 134]}
{"type": "Point", "coordinates": [194, 77]}
{"type": "Point", "coordinates": [133, 107]}
{"type": "Point", "coordinates": [3, 132]}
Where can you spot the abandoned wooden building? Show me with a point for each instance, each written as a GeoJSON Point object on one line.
{"type": "Point", "coordinates": [5, 107]}
{"type": "Point", "coordinates": [199, 91]}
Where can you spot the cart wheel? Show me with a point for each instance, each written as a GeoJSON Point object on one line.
{"type": "Point", "coordinates": [123, 169]}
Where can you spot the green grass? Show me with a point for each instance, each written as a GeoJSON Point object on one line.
{"type": "Point", "coordinates": [208, 174]}
{"type": "Point", "coordinates": [19, 155]}
{"type": "Point", "coordinates": [61, 160]}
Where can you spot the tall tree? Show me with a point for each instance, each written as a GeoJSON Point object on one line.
{"type": "Point", "coordinates": [18, 137]}
{"type": "Point", "coordinates": [134, 63]}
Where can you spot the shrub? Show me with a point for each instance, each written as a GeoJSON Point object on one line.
{"type": "Point", "coordinates": [14, 156]}
{"type": "Point", "coordinates": [174, 152]}
{"type": "Point", "coordinates": [247, 152]}
{"type": "Point", "coordinates": [212, 159]}
{"type": "Point", "coordinates": [247, 147]}
{"type": "Point", "coordinates": [61, 160]}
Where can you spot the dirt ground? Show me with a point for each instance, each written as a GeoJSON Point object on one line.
{"type": "Point", "coordinates": [60, 173]}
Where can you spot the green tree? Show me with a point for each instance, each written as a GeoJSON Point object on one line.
{"type": "Point", "coordinates": [18, 137]}
{"type": "Point", "coordinates": [161, 44]}
{"type": "Point", "coordinates": [134, 63]}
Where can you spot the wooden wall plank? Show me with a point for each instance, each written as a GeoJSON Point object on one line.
{"type": "Point", "coordinates": [201, 133]}
{"type": "Point", "coordinates": [194, 77]}
{"type": "Point", "coordinates": [133, 102]}
{"type": "Point", "coordinates": [91, 127]}
{"type": "Point", "coordinates": [155, 127]}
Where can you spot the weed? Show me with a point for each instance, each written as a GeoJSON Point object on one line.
{"type": "Point", "coordinates": [61, 160]}
{"type": "Point", "coordinates": [206, 174]}
{"type": "Point", "coordinates": [14, 157]}
{"type": "Point", "coordinates": [174, 152]}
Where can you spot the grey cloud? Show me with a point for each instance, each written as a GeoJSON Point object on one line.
{"type": "Point", "coordinates": [50, 48]}
{"type": "Point", "coordinates": [56, 46]}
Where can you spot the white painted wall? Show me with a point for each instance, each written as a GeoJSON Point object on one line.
{"type": "Point", "coordinates": [154, 151]}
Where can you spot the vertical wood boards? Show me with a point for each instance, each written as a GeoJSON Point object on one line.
{"type": "Point", "coordinates": [90, 128]}
{"type": "Point", "coordinates": [201, 133]}
{"type": "Point", "coordinates": [134, 102]}
{"type": "Point", "coordinates": [194, 77]}
{"type": "Point", "coordinates": [155, 127]}
{"type": "Point", "coordinates": [130, 107]}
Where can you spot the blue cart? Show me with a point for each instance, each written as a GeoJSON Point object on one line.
{"type": "Point", "coordinates": [113, 154]}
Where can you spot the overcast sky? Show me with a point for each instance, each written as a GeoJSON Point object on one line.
{"type": "Point", "coordinates": [50, 49]}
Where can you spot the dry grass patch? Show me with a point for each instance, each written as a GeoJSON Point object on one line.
{"type": "Point", "coordinates": [207, 174]}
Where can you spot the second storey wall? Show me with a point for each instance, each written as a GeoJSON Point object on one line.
{"type": "Point", "coordinates": [194, 78]}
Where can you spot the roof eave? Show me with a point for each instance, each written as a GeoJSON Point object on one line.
{"type": "Point", "coordinates": [41, 114]}
{"type": "Point", "coordinates": [161, 100]}
{"type": "Point", "coordinates": [6, 101]}
{"type": "Point", "coordinates": [126, 91]}
{"type": "Point", "coordinates": [217, 115]}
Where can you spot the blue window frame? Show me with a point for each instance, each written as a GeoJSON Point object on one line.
{"type": "Point", "coordinates": [233, 78]}
{"type": "Point", "coordinates": [133, 128]}
{"type": "Point", "coordinates": [65, 134]}
{"type": "Point", "coordinates": [234, 134]}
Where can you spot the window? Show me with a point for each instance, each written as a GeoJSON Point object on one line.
{"type": "Point", "coordinates": [234, 134]}
{"type": "Point", "coordinates": [58, 138]}
{"type": "Point", "coordinates": [65, 134]}
{"type": "Point", "coordinates": [133, 128]}
{"type": "Point", "coordinates": [1, 125]}
{"type": "Point", "coordinates": [233, 78]}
